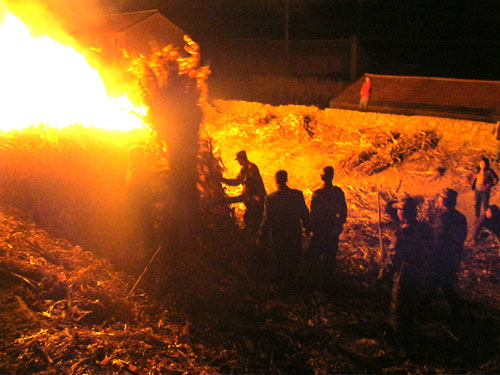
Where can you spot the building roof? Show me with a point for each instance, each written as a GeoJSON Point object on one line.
{"type": "Point", "coordinates": [120, 22]}
{"type": "Point", "coordinates": [444, 97]}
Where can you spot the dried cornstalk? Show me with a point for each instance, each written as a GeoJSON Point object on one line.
{"type": "Point", "coordinates": [379, 213]}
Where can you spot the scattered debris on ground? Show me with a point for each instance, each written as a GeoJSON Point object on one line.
{"type": "Point", "coordinates": [65, 309]}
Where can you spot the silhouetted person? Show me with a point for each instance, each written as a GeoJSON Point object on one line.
{"type": "Point", "coordinates": [328, 215]}
{"type": "Point", "coordinates": [484, 179]}
{"type": "Point", "coordinates": [392, 211]}
{"type": "Point", "coordinates": [411, 272]}
{"type": "Point", "coordinates": [139, 204]}
{"type": "Point", "coordinates": [489, 220]}
{"type": "Point", "coordinates": [450, 233]}
{"type": "Point", "coordinates": [365, 93]}
{"type": "Point", "coordinates": [253, 193]}
{"type": "Point", "coordinates": [285, 214]}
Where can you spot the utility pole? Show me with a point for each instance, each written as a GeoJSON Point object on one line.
{"type": "Point", "coordinates": [287, 34]}
{"type": "Point", "coordinates": [354, 57]}
{"type": "Point", "coordinates": [356, 38]}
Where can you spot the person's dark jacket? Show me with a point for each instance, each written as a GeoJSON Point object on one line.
{"type": "Point", "coordinates": [254, 190]}
{"type": "Point", "coordinates": [413, 249]}
{"type": "Point", "coordinates": [328, 210]}
{"type": "Point", "coordinates": [285, 213]}
{"type": "Point", "coordinates": [450, 233]}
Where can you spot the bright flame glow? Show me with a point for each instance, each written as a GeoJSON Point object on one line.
{"type": "Point", "coordinates": [43, 81]}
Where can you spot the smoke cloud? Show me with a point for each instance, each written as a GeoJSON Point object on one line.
{"type": "Point", "coordinates": [78, 18]}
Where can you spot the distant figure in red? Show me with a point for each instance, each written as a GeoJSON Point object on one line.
{"type": "Point", "coordinates": [366, 92]}
{"type": "Point", "coordinates": [484, 179]}
{"type": "Point", "coordinates": [253, 193]}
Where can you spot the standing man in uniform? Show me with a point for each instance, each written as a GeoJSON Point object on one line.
{"type": "Point", "coordinates": [253, 193]}
{"type": "Point", "coordinates": [366, 93]}
{"type": "Point", "coordinates": [285, 214]}
{"type": "Point", "coordinates": [450, 233]}
{"type": "Point", "coordinates": [410, 270]}
{"type": "Point", "coordinates": [328, 215]}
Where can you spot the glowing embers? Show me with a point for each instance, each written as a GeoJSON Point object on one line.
{"type": "Point", "coordinates": [43, 81]}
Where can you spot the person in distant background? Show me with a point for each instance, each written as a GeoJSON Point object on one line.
{"type": "Point", "coordinates": [484, 179]}
{"type": "Point", "coordinates": [253, 193]}
{"type": "Point", "coordinates": [366, 92]}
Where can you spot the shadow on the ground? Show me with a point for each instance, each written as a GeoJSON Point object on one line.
{"type": "Point", "coordinates": [341, 329]}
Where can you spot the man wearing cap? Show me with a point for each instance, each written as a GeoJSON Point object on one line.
{"type": "Point", "coordinates": [450, 233]}
{"type": "Point", "coordinates": [253, 193]}
{"type": "Point", "coordinates": [328, 215]}
{"type": "Point", "coordinates": [412, 246]}
{"type": "Point", "coordinates": [489, 220]}
{"type": "Point", "coordinates": [285, 214]}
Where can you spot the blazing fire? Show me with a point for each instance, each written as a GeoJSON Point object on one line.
{"type": "Point", "coordinates": [46, 82]}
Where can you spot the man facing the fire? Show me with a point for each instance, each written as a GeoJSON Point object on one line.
{"type": "Point", "coordinates": [328, 215]}
{"type": "Point", "coordinates": [253, 193]}
{"type": "Point", "coordinates": [450, 232]}
{"type": "Point", "coordinates": [285, 214]}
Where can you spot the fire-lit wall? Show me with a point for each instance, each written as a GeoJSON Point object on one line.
{"type": "Point", "coordinates": [154, 32]}
{"type": "Point", "coordinates": [138, 37]}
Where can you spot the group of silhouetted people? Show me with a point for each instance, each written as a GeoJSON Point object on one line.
{"type": "Point", "coordinates": [278, 219]}
{"type": "Point", "coordinates": [425, 255]}
{"type": "Point", "coordinates": [426, 258]}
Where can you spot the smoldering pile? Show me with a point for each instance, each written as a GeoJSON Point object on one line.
{"type": "Point", "coordinates": [384, 150]}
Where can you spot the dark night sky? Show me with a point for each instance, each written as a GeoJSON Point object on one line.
{"type": "Point", "coordinates": [462, 36]}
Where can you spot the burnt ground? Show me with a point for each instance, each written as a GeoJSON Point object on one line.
{"type": "Point", "coordinates": [65, 311]}
{"type": "Point", "coordinates": [344, 327]}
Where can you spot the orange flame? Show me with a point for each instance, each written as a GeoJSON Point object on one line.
{"type": "Point", "coordinates": [45, 82]}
